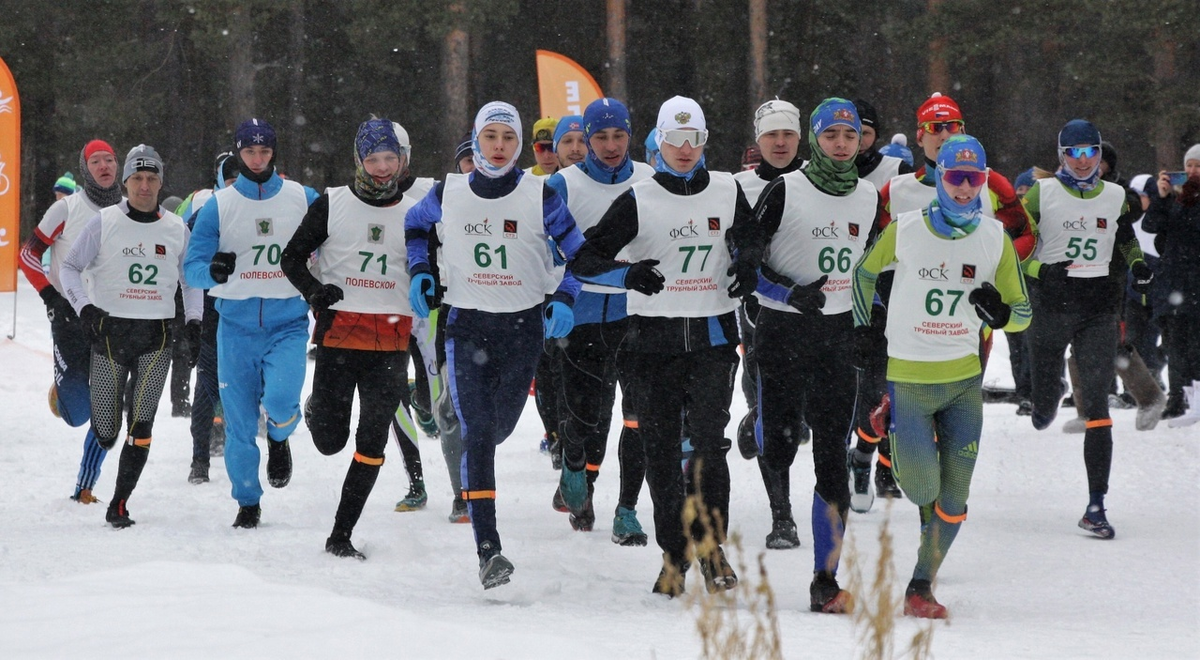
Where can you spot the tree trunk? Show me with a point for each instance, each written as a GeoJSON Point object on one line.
{"type": "Point", "coordinates": [758, 54]}
{"type": "Point", "coordinates": [939, 72]}
{"type": "Point", "coordinates": [455, 77]}
{"type": "Point", "coordinates": [1166, 121]}
{"type": "Point", "coordinates": [615, 84]}
{"type": "Point", "coordinates": [292, 126]}
{"type": "Point", "coordinates": [241, 66]}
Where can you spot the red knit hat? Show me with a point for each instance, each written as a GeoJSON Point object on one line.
{"type": "Point", "coordinates": [94, 146]}
{"type": "Point", "coordinates": [938, 108]}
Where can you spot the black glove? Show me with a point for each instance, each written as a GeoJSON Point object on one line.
{"type": "Point", "coordinates": [1143, 277]}
{"type": "Point", "coordinates": [868, 343]}
{"type": "Point", "coordinates": [989, 306]}
{"type": "Point", "coordinates": [191, 340]}
{"type": "Point", "coordinates": [323, 296]}
{"type": "Point", "coordinates": [93, 321]}
{"type": "Point", "coordinates": [808, 298]}
{"type": "Point", "coordinates": [643, 277]}
{"type": "Point", "coordinates": [56, 305]}
{"type": "Point", "coordinates": [745, 279]}
{"type": "Point", "coordinates": [1055, 272]}
{"type": "Point", "coordinates": [221, 266]}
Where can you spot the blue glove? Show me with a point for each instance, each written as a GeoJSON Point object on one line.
{"type": "Point", "coordinates": [419, 293]}
{"type": "Point", "coordinates": [559, 320]}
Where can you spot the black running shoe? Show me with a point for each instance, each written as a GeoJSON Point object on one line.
{"type": "Point", "coordinates": [343, 548]}
{"type": "Point", "coordinates": [117, 515]}
{"type": "Point", "coordinates": [199, 473]}
{"type": "Point", "coordinates": [783, 535]}
{"type": "Point", "coordinates": [494, 568]}
{"type": "Point", "coordinates": [826, 596]}
{"type": "Point", "coordinates": [279, 463]}
{"type": "Point", "coordinates": [670, 581]}
{"type": "Point", "coordinates": [861, 496]}
{"type": "Point", "coordinates": [718, 574]}
{"type": "Point", "coordinates": [247, 517]}
{"type": "Point", "coordinates": [885, 482]}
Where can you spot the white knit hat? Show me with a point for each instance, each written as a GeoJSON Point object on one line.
{"type": "Point", "coordinates": [776, 115]}
{"type": "Point", "coordinates": [1192, 154]}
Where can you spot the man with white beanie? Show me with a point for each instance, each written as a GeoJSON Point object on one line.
{"type": "Point", "coordinates": [690, 250]}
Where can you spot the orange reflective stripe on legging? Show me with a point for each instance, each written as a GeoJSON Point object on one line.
{"type": "Point", "coordinates": [1098, 423]}
{"type": "Point", "coordinates": [478, 495]}
{"type": "Point", "coordinates": [869, 438]}
{"type": "Point", "coordinates": [367, 460]}
{"type": "Point", "coordinates": [141, 442]}
{"type": "Point", "coordinates": [631, 424]}
{"type": "Point", "coordinates": [592, 467]}
{"type": "Point", "coordinates": [947, 517]}
{"type": "Point", "coordinates": [885, 461]}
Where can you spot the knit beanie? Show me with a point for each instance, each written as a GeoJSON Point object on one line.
{"type": "Point", "coordinates": [543, 129]}
{"type": "Point", "coordinates": [605, 113]}
{"type": "Point", "coordinates": [776, 115]}
{"type": "Point", "coordinates": [142, 158]}
{"type": "Point", "coordinates": [65, 184]}
{"type": "Point", "coordinates": [567, 124]}
{"type": "Point", "coordinates": [1193, 153]}
{"type": "Point", "coordinates": [499, 112]}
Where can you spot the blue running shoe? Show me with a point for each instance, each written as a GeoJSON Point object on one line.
{"type": "Point", "coordinates": [627, 531]}
{"type": "Point", "coordinates": [574, 489]}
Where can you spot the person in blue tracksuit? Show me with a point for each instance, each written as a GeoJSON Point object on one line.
{"type": "Point", "coordinates": [593, 361]}
{"type": "Point", "coordinates": [235, 252]}
{"type": "Point", "coordinates": [497, 270]}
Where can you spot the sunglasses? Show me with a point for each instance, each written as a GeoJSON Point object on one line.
{"type": "Point", "coordinates": [1080, 152]}
{"type": "Point", "coordinates": [543, 147]}
{"type": "Point", "coordinates": [935, 127]}
{"type": "Point", "coordinates": [958, 177]}
{"type": "Point", "coordinates": [676, 137]}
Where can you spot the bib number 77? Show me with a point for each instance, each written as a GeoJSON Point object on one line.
{"type": "Point", "coordinates": [690, 251]}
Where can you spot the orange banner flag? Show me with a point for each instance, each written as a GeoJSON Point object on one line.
{"type": "Point", "coordinates": [10, 179]}
{"type": "Point", "coordinates": [565, 88]}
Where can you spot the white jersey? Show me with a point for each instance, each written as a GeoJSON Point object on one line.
{"type": "Point", "coordinates": [1082, 231]}
{"type": "Point", "coordinates": [496, 255]}
{"type": "Point", "coordinates": [588, 200]}
{"type": "Point", "coordinates": [199, 199]}
{"type": "Point", "coordinates": [420, 188]}
{"type": "Point", "coordinates": [929, 318]}
{"type": "Point", "coordinates": [686, 234]}
{"type": "Point", "coordinates": [752, 185]}
{"type": "Point", "coordinates": [72, 214]}
{"type": "Point", "coordinates": [364, 254]}
{"type": "Point", "coordinates": [821, 234]}
{"type": "Point", "coordinates": [887, 169]}
{"type": "Point", "coordinates": [136, 272]}
{"type": "Point", "coordinates": [257, 231]}
{"type": "Point", "coordinates": [907, 193]}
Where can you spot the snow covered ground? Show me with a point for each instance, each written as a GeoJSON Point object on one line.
{"type": "Point", "coordinates": [1022, 581]}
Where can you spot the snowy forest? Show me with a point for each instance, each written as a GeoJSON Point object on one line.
{"type": "Point", "coordinates": [181, 75]}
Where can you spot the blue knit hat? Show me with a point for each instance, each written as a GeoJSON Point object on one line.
{"type": "Point", "coordinates": [834, 111]}
{"type": "Point", "coordinates": [605, 113]}
{"type": "Point", "coordinates": [961, 150]}
{"type": "Point", "coordinates": [1078, 131]}
{"type": "Point", "coordinates": [254, 132]}
{"type": "Point", "coordinates": [375, 135]}
{"type": "Point", "coordinates": [565, 125]}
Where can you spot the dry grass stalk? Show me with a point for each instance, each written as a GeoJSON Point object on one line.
{"type": "Point", "coordinates": [718, 620]}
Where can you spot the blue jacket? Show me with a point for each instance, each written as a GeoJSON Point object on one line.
{"type": "Point", "coordinates": [206, 236]}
